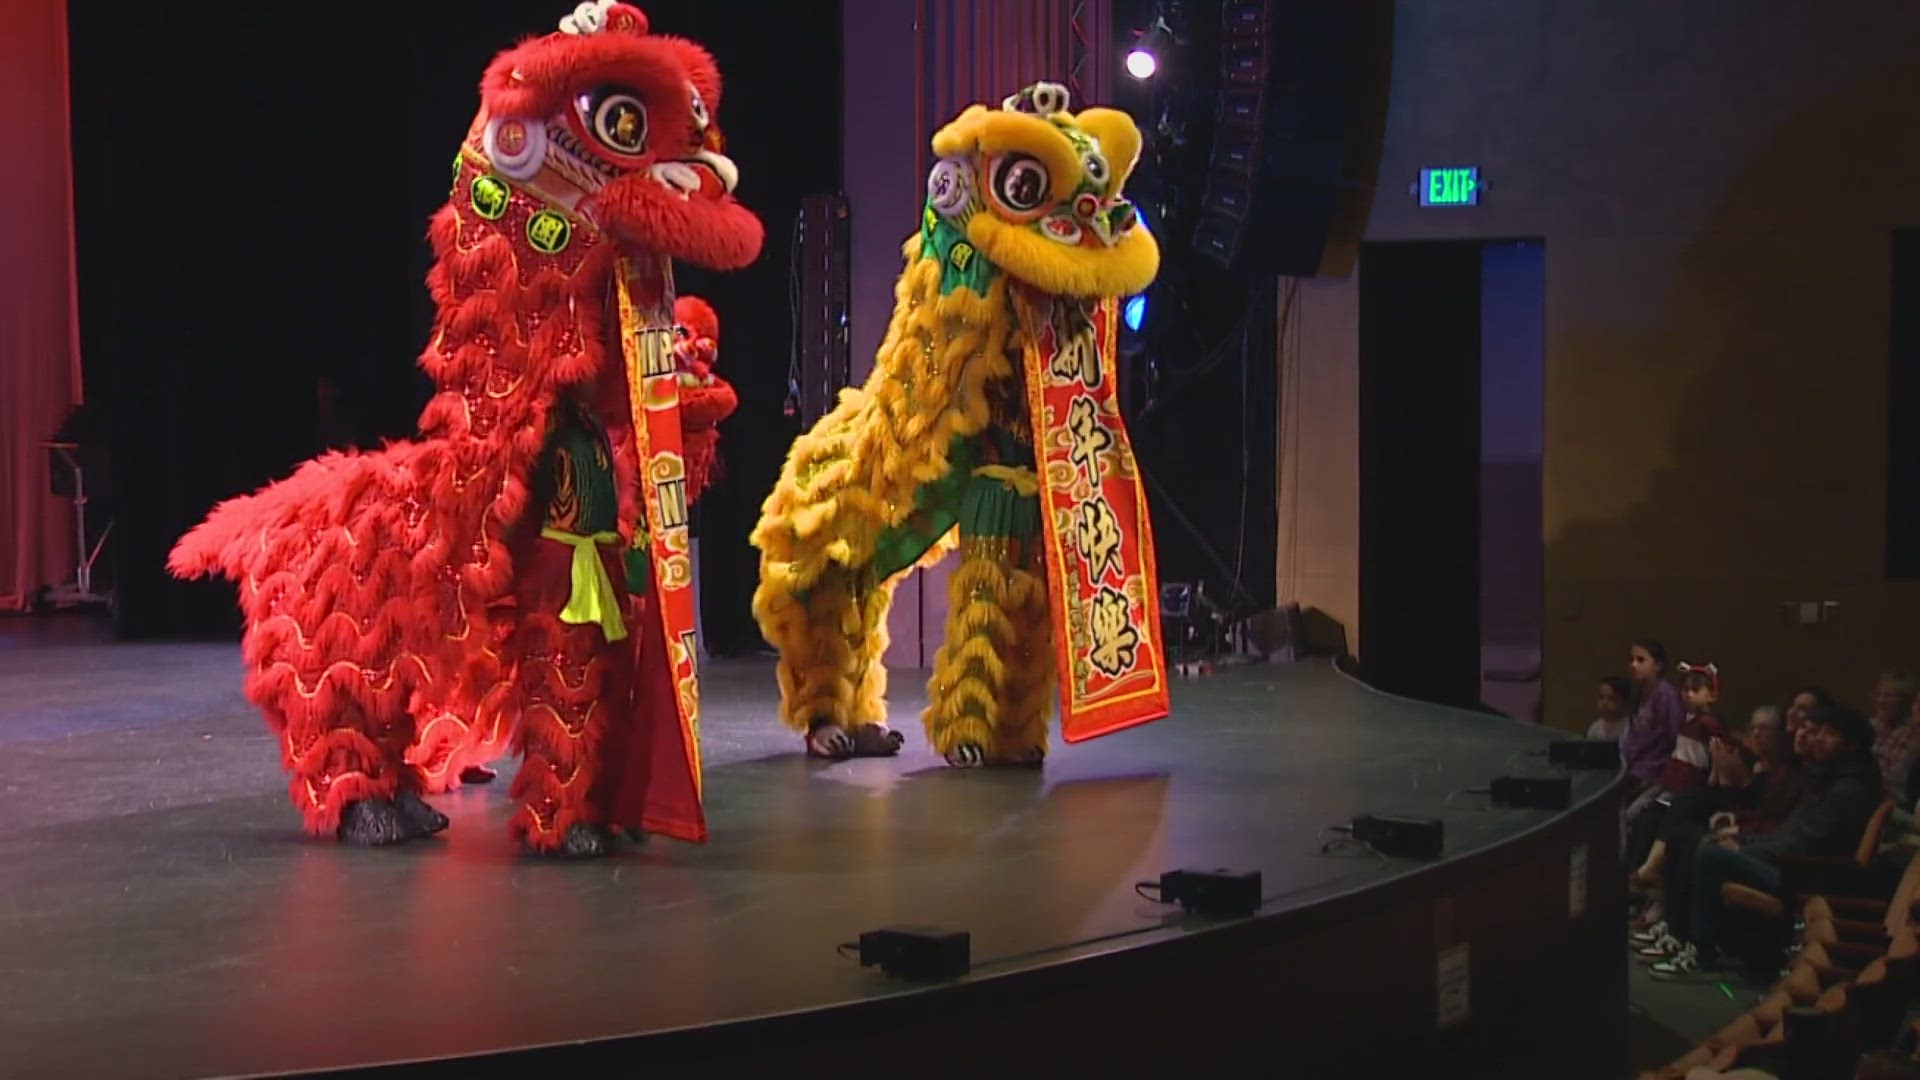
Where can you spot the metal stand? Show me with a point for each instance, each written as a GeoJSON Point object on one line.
{"type": "Point", "coordinates": [80, 590]}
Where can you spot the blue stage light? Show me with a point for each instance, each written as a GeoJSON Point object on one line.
{"type": "Point", "coordinates": [1135, 312]}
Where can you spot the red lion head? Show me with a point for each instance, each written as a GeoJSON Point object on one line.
{"type": "Point", "coordinates": [620, 125]}
{"type": "Point", "coordinates": [696, 346]}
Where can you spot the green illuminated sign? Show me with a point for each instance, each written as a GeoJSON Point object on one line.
{"type": "Point", "coordinates": [1450, 187]}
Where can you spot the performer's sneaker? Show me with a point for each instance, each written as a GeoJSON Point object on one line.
{"type": "Point", "coordinates": [583, 842]}
{"type": "Point", "coordinates": [826, 739]}
{"type": "Point", "coordinates": [417, 817]}
{"type": "Point", "coordinates": [971, 756]}
{"type": "Point", "coordinates": [477, 774]}
{"type": "Point", "coordinates": [588, 842]}
{"type": "Point", "coordinates": [967, 756]}
{"type": "Point", "coordinates": [876, 740]}
{"type": "Point", "coordinates": [373, 822]}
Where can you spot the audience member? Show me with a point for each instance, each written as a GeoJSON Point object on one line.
{"type": "Point", "coordinates": [1685, 771]}
{"type": "Point", "coordinates": [1827, 819]}
{"type": "Point", "coordinates": [1658, 713]}
{"type": "Point", "coordinates": [1894, 745]}
{"type": "Point", "coordinates": [1611, 723]}
{"type": "Point", "coordinates": [1805, 699]}
{"type": "Point", "coordinates": [1687, 767]}
{"type": "Point", "coordinates": [1774, 776]}
{"type": "Point", "coordinates": [1752, 786]}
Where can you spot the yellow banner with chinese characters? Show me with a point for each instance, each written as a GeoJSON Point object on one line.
{"type": "Point", "coordinates": [646, 339]}
{"type": "Point", "coordinates": [1101, 583]}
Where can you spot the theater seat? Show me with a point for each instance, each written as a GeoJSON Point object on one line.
{"type": "Point", "coordinates": [1810, 873]}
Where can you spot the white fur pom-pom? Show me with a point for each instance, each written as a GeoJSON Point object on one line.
{"type": "Point", "coordinates": [588, 18]}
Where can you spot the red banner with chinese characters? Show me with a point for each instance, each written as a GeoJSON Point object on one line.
{"type": "Point", "coordinates": [646, 340]}
{"type": "Point", "coordinates": [1101, 583]}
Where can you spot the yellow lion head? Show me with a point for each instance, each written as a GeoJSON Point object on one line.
{"type": "Point", "coordinates": [1037, 190]}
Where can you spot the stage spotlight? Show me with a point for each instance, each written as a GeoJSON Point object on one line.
{"type": "Point", "coordinates": [1135, 312]}
{"type": "Point", "coordinates": [1143, 60]}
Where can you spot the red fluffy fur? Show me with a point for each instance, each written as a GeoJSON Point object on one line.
{"type": "Point", "coordinates": [383, 633]}
{"type": "Point", "coordinates": [700, 410]}
{"type": "Point", "coordinates": [701, 407]}
{"type": "Point", "coordinates": [698, 317]}
{"type": "Point", "coordinates": [366, 578]}
{"type": "Point", "coordinates": [539, 77]}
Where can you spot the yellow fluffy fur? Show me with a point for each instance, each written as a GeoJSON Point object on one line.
{"type": "Point", "coordinates": [854, 476]}
{"type": "Point", "coordinates": [993, 678]}
{"type": "Point", "coordinates": [993, 133]}
{"type": "Point", "coordinates": [1126, 267]}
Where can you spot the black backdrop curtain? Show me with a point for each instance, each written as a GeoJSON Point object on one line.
{"type": "Point", "coordinates": [253, 184]}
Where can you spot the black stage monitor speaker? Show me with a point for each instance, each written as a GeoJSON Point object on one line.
{"type": "Point", "coordinates": [1401, 837]}
{"type": "Point", "coordinates": [1533, 792]}
{"type": "Point", "coordinates": [1213, 894]}
{"type": "Point", "coordinates": [917, 952]}
{"type": "Point", "coordinates": [1584, 754]}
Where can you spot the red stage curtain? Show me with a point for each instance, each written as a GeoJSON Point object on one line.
{"type": "Point", "coordinates": [39, 329]}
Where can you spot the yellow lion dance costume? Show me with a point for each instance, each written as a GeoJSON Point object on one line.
{"type": "Point", "coordinates": [1003, 327]}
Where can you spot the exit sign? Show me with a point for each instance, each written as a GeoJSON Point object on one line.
{"type": "Point", "coordinates": [1450, 187]}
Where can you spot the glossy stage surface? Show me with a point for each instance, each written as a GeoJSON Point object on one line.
{"type": "Point", "coordinates": [161, 915]}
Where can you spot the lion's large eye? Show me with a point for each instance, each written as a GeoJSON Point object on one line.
{"type": "Point", "coordinates": [616, 117]}
{"type": "Point", "coordinates": [1096, 167]}
{"type": "Point", "coordinates": [700, 116]}
{"type": "Point", "coordinates": [1020, 183]}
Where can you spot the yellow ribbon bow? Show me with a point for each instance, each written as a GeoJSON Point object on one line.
{"type": "Point", "coordinates": [593, 599]}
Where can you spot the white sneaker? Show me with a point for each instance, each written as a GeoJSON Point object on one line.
{"type": "Point", "coordinates": [1687, 966]}
{"type": "Point", "coordinates": [1684, 962]}
{"type": "Point", "coordinates": [1650, 935]}
{"type": "Point", "coordinates": [1667, 946]}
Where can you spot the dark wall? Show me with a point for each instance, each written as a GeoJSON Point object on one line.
{"type": "Point", "coordinates": [253, 185]}
{"type": "Point", "coordinates": [1716, 187]}
{"type": "Point", "coordinates": [1903, 411]}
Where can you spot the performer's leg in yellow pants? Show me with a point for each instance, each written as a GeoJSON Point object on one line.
{"type": "Point", "coordinates": [992, 686]}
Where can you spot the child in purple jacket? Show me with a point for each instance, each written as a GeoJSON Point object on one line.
{"type": "Point", "coordinates": [1658, 713]}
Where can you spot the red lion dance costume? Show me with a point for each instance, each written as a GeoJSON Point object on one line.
{"type": "Point", "coordinates": [705, 398]}
{"type": "Point", "coordinates": [518, 573]}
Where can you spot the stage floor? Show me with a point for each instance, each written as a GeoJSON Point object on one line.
{"type": "Point", "coordinates": [161, 914]}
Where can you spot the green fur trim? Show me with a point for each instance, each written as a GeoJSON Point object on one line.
{"type": "Point", "coordinates": [639, 560]}
{"type": "Point", "coordinates": [578, 485]}
{"type": "Point", "coordinates": [991, 509]}
{"type": "Point", "coordinates": [936, 509]}
{"type": "Point", "coordinates": [981, 505]}
{"type": "Point", "coordinates": [961, 264]}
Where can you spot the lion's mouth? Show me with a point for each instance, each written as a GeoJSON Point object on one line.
{"type": "Point", "coordinates": [701, 172]}
{"type": "Point", "coordinates": [706, 172]}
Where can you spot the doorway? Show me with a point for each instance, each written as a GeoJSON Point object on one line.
{"type": "Point", "coordinates": [1452, 360]}
{"type": "Point", "coordinates": [1512, 442]}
